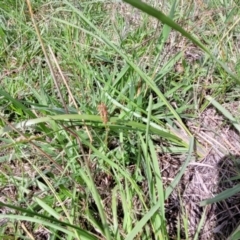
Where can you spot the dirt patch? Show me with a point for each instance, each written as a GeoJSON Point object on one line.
{"type": "Point", "coordinates": [207, 178]}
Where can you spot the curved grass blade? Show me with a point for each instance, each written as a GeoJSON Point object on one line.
{"type": "Point", "coordinates": [99, 35]}
{"type": "Point", "coordinates": [82, 233]}
{"type": "Point", "coordinates": [225, 112]}
{"type": "Point", "coordinates": [221, 196]}
{"type": "Point", "coordinates": [182, 170]}
{"type": "Point", "coordinates": [139, 225]}
{"type": "Point", "coordinates": [20, 106]}
{"type": "Point", "coordinates": [235, 235]}
{"type": "Point", "coordinates": [35, 220]}
{"type": "Point", "coordinates": [114, 123]}
{"type": "Point", "coordinates": [166, 20]}
{"type": "Point", "coordinates": [97, 199]}
{"type": "Point", "coordinates": [47, 208]}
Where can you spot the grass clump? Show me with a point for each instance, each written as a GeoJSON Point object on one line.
{"type": "Point", "coordinates": [105, 130]}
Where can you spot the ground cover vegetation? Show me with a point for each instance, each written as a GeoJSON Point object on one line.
{"type": "Point", "coordinates": [119, 120]}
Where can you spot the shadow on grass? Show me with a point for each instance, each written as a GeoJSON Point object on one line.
{"type": "Point", "coordinates": [202, 181]}
{"type": "Point", "coordinates": [227, 211]}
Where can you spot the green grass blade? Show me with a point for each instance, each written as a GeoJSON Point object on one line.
{"type": "Point", "coordinates": [159, 220]}
{"type": "Point", "coordinates": [149, 82]}
{"type": "Point", "coordinates": [44, 218]}
{"type": "Point", "coordinates": [235, 235]}
{"type": "Point", "coordinates": [90, 183]}
{"type": "Point", "coordinates": [167, 20]}
{"type": "Point", "coordinates": [35, 220]}
{"type": "Point", "coordinates": [182, 170]}
{"type": "Point", "coordinates": [94, 120]}
{"type": "Point", "coordinates": [139, 225]}
{"type": "Point", "coordinates": [221, 196]}
{"type": "Point", "coordinates": [200, 224]}
{"type": "Point", "coordinates": [224, 111]}
{"type": "Point", "coordinates": [47, 208]}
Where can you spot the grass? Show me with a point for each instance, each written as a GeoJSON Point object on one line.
{"type": "Point", "coordinates": [94, 97]}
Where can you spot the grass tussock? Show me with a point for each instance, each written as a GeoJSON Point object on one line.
{"type": "Point", "coordinates": [118, 120]}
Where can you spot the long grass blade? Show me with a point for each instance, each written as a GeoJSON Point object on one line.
{"type": "Point", "coordinates": [167, 20]}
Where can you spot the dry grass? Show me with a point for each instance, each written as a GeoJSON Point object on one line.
{"type": "Point", "coordinates": [203, 179]}
{"type": "Point", "coordinates": [207, 178]}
